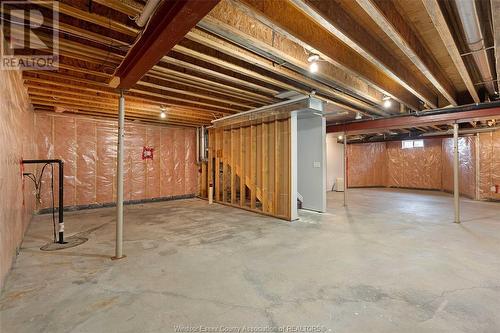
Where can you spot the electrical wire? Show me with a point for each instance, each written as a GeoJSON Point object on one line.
{"type": "Point", "coordinates": [38, 191]}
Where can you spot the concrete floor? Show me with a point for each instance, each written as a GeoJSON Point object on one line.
{"type": "Point", "coordinates": [392, 262]}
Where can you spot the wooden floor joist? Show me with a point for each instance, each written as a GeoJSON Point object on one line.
{"type": "Point", "coordinates": [232, 50]}
{"type": "Point", "coordinates": [439, 21]}
{"type": "Point", "coordinates": [284, 16]}
{"type": "Point", "coordinates": [216, 74]}
{"type": "Point", "coordinates": [287, 54]}
{"type": "Point", "coordinates": [245, 54]}
{"type": "Point", "coordinates": [394, 25]}
{"type": "Point", "coordinates": [339, 22]}
{"type": "Point", "coordinates": [104, 22]}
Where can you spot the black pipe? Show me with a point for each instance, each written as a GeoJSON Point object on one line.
{"type": "Point", "coordinates": [430, 112]}
{"type": "Point", "coordinates": [61, 192]}
{"type": "Point", "coordinates": [455, 109]}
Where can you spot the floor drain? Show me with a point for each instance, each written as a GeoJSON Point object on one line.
{"type": "Point", "coordinates": [71, 241]}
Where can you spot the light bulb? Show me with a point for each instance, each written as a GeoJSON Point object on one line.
{"type": "Point", "coordinates": [163, 115]}
{"type": "Point", "coordinates": [387, 103]}
{"type": "Point", "coordinates": [313, 68]}
{"type": "Point", "coordinates": [313, 58]}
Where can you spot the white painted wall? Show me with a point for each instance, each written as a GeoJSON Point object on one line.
{"type": "Point", "coordinates": [334, 160]}
{"type": "Point", "coordinates": [311, 161]}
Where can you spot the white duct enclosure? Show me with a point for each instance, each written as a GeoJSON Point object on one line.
{"type": "Point", "coordinates": [280, 110]}
{"type": "Point", "coordinates": [311, 162]}
{"type": "Point", "coordinates": [474, 37]}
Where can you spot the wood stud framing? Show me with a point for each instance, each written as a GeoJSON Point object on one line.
{"type": "Point", "coordinates": [255, 169]}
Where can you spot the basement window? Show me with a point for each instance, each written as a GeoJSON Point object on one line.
{"type": "Point", "coordinates": [412, 144]}
{"type": "Point", "coordinates": [418, 143]}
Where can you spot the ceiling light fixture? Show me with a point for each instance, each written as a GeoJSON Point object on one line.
{"type": "Point", "coordinates": [313, 67]}
{"type": "Point", "coordinates": [163, 113]}
{"type": "Point", "coordinates": [340, 137]}
{"type": "Point", "coordinates": [358, 116]}
{"type": "Point", "coordinates": [313, 57]}
{"type": "Point", "coordinates": [387, 102]}
{"type": "Point", "coordinates": [313, 62]}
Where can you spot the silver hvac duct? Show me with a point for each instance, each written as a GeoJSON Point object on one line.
{"type": "Point", "coordinates": [474, 38]}
{"type": "Point", "coordinates": [148, 10]}
{"type": "Point", "coordinates": [201, 144]}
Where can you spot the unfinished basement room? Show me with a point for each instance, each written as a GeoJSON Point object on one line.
{"type": "Point", "coordinates": [263, 166]}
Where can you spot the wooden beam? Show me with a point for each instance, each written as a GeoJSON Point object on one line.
{"type": "Point", "coordinates": [218, 75]}
{"type": "Point", "coordinates": [230, 102]}
{"type": "Point", "coordinates": [219, 87]}
{"type": "Point", "coordinates": [233, 147]}
{"type": "Point", "coordinates": [217, 43]}
{"type": "Point", "coordinates": [284, 16]}
{"type": "Point", "coordinates": [253, 165]}
{"type": "Point", "coordinates": [372, 126]}
{"type": "Point", "coordinates": [396, 27]}
{"type": "Point", "coordinates": [212, 105]}
{"type": "Point", "coordinates": [168, 25]}
{"type": "Point", "coordinates": [217, 151]}
{"type": "Point", "coordinates": [80, 32]}
{"type": "Point", "coordinates": [243, 168]}
{"type": "Point", "coordinates": [107, 116]}
{"type": "Point", "coordinates": [66, 81]}
{"type": "Point", "coordinates": [98, 55]}
{"type": "Point", "coordinates": [277, 167]}
{"type": "Point", "coordinates": [185, 88]}
{"type": "Point", "coordinates": [130, 8]}
{"type": "Point", "coordinates": [437, 17]}
{"type": "Point", "coordinates": [232, 24]}
{"type": "Point", "coordinates": [265, 166]}
{"type": "Point", "coordinates": [211, 86]}
{"type": "Point", "coordinates": [90, 110]}
{"type": "Point", "coordinates": [142, 90]}
{"type": "Point", "coordinates": [68, 102]}
{"type": "Point", "coordinates": [346, 28]}
{"type": "Point", "coordinates": [224, 157]}
{"type": "Point", "coordinates": [93, 18]}
{"type": "Point", "coordinates": [65, 97]}
{"type": "Point", "coordinates": [232, 67]}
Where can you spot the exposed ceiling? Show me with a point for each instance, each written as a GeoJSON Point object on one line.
{"type": "Point", "coordinates": [245, 53]}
